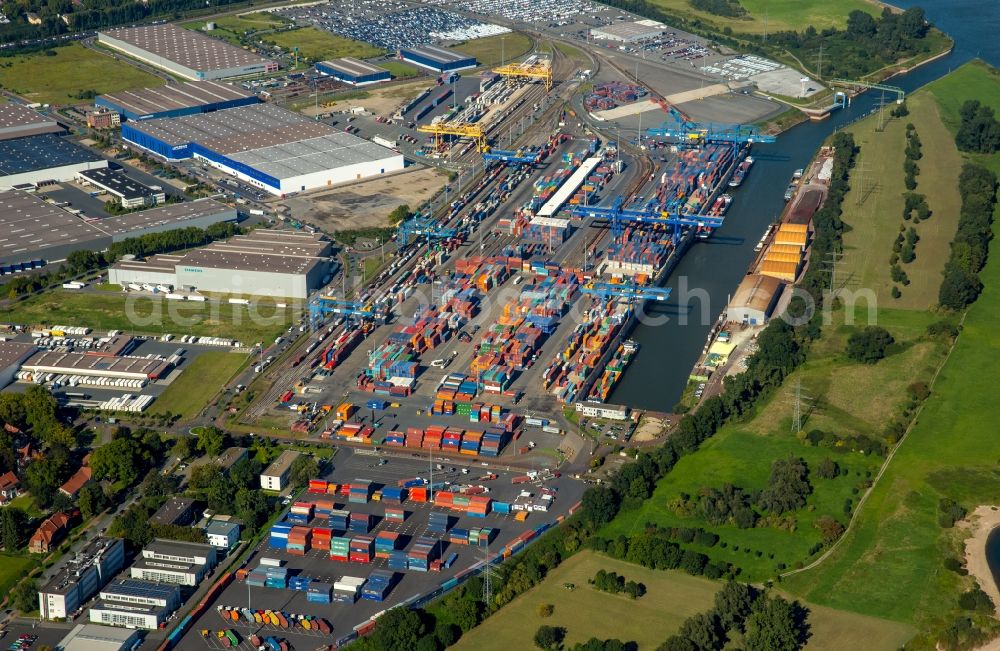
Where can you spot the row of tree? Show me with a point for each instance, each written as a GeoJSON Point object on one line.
{"type": "Point", "coordinates": [746, 618]}
{"type": "Point", "coordinates": [961, 285]}
{"type": "Point", "coordinates": [84, 261]}
{"type": "Point", "coordinates": [615, 583]}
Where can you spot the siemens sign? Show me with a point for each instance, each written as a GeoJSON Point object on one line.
{"type": "Point", "coordinates": [193, 270]}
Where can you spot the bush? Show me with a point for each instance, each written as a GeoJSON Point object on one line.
{"type": "Point", "coordinates": [549, 637]}
{"type": "Point", "coordinates": [869, 345]}
{"type": "Point", "coordinates": [546, 610]}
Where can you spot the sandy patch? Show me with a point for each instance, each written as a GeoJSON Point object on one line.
{"type": "Point", "coordinates": [379, 101]}
{"type": "Point", "coordinates": [649, 430]}
{"type": "Point", "coordinates": [980, 523]}
{"type": "Point", "coordinates": [367, 204]}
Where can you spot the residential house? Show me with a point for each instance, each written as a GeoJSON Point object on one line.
{"type": "Point", "coordinates": [51, 532]}
{"type": "Point", "coordinates": [9, 486]}
{"type": "Point", "coordinates": [79, 479]}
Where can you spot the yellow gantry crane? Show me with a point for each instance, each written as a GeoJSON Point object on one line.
{"type": "Point", "coordinates": [542, 70]}
{"type": "Point", "coordinates": [460, 129]}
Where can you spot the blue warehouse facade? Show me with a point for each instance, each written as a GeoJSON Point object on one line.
{"type": "Point", "coordinates": [353, 71]}
{"type": "Point", "coordinates": [175, 101]}
{"type": "Point", "coordinates": [436, 58]}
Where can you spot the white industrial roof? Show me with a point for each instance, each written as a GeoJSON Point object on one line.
{"type": "Point", "coordinates": [313, 155]}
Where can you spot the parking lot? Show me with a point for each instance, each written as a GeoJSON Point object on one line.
{"type": "Point", "coordinates": [390, 24]}
{"type": "Point", "coordinates": [409, 584]}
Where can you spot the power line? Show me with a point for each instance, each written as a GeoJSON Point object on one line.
{"type": "Point", "coordinates": [488, 575]}
{"type": "Point", "coordinates": [798, 400]}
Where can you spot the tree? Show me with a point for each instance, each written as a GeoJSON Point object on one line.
{"type": "Point", "coordinates": [829, 528]}
{"type": "Point", "coordinates": [733, 604]}
{"type": "Point", "coordinates": [600, 504]}
{"type": "Point", "coordinates": [776, 625]}
{"type": "Point", "coordinates": [44, 476]}
{"type": "Point", "coordinates": [92, 500]}
{"type": "Point", "coordinates": [133, 526]}
{"type": "Point", "coordinates": [244, 473]}
{"type": "Point", "coordinates": [399, 213]}
{"type": "Point", "coordinates": [252, 508]}
{"type": "Point", "coordinates": [25, 596]}
{"type": "Point", "coordinates": [677, 643]}
{"type": "Point", "coordinates": [121, 461]}
{"type": "Point", "coordinates": [869, 345]}
{"type": "Point", "coordinates": [860, 24]}
{"type": "Point", "coordinates": [212, 441]}
{"type": "Point", "coordinates": [203, 475]}
{"type": "Point", "coordinates": [303, 469]}
{"type": "Point", "coordinates": [465, 613]}
{"type": "Point", "coordinates": [546, 610]}
{"type": "Point", "coordinates": [12, 524]}
{"type": "Point", "coordinates": [398, 630]}
{"type": "Point", "coordinates": [549, 637]}
{"type": "Point", "coordinates": [183, 447]}
{"type": "Point", "coordinates": [704, 630]}
{"type": "Point", "coordinates": [787, 487]}
{"type": "Point", "coordinates": [828, 468]}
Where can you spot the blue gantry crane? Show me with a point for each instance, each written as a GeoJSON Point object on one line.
{"type": "Point", "coordinates": [686, 130]}
{"type": "Point", "coordinates": [511, 157]}
{"type": "Point", "coordinates": [418, 225]}
{"type": "Point", "coordinates": [631, 291]}
{"type": "Point", "coordinates": [618, 216]}
{"type": "Point", "coordinates": [320, 306]}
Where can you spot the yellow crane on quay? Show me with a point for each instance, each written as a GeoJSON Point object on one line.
{"type": "Point", "coordinates": [460, 129]}
{"type": "Point", "coordinates": [541, 70]}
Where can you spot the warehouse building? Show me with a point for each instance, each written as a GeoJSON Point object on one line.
{"type": "Point", "coordinates": [629, 32]}
{"type": "Point", "coordinates": [176, 510]}
{"type": "Point", "coordinates": [12, 355]}
{"type": "Point", "coordinates": [135, 604]}
{"type": "Point", "coordinates": [176, 100]}
{"type": "Point", "coordinates": [436, 58]}
{"type": "Point", "coordinates": [92, 637]}
{"type": "Point", "coordinates": [266, 146]}
{"type": "Point", "coordinates": [34, 230]}
{"type": "Point", "coordinates": [264, 262]}
{"type": "Point", "coordinates": [96, 366]}
{"type": "Point", "coordinates": [18, 121]}
{"type": "Point", "coordinates": [353, 71]}
{"type": "Point", "coordinates": [129, 192]}
{"type": "Point", "coordinates": [754, 300]}
{"type": "Point", "coordinates": [81, 577]}
{"type": "Point", "coordinates": [184, 52]}
{"type": "Point", "coordinates": [42, 159]}
{"type": "Point", "coordinates": [275, 476]}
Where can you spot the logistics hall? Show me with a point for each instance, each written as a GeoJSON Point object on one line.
{"type": "Point", "coordinates": [266, 146]}
{"type": "Point", "coordinates": [264, 262]}
{"type": "Point", "coordinates": [175, 100]}
{"type": "Point", "coordinates": [184, 52]}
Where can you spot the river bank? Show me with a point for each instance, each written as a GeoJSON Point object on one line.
{"type": "Point", "coordinates": [980, 524]}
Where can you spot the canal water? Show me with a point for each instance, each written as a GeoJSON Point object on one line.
{"type": "Point", "coordinates": [673, 337]}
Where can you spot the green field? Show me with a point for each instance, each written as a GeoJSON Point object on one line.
{"type": "Point", "coordinates": [873, 208]}
{"type": "Point", "coordinates": [197, 383]}
{"type": "Point", "coordinates": [399, 69]}
{"type": "Point", "coordinates": [234, 28]}
{"type": "Point", "coordinates": [110, 311]}
{"type": "Point", "coordinates": [316, 44]}
{"type": "Point", "coordinates": [494, 50]}
{"type": "Point", "coordinates": [671, 598]}
{"type": "Point", "coordinates": [847, 399]}
{"type": "Point", "coordinates": [782, 15]}
{"type": "Point", "coordinates": [13, 569]}
{"type": "Point", "coordinates": [890, 564]}
{"type": "Point", "coordinates": [73, 69]}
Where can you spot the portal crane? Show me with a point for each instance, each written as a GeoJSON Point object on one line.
{"type": "Point", "coordinates": [418, 225]}
{"type": "Point", "coordinates": [618, 216]}
{"type": "Point", "coordinates": [519, 157]}
{"type": "Point", "coordinates": [686, 129]}
{"type": "Point", "coordinates": [630, 291]}
{"type": "Point", "coordinates": [323, 305]}
{"type": "Point", "coordinates": [542, 71]}
{"type": "Point", "coordinates": [459, 129]}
